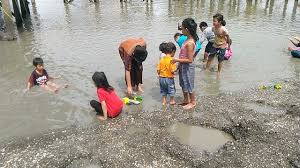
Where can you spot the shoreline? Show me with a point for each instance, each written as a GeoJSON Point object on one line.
{"type": "Point", "coordinates": [270, 138]}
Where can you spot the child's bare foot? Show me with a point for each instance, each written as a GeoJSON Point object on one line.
{"type": "Point", "coordinates": [183, 103]}
{"type": "Point", "coordinates": [172, 103]}
{"type": "Point", "coordinates": [189, 106]}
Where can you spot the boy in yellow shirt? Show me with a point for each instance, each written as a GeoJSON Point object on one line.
{"type": "Point", "coordinates": [166, 71]}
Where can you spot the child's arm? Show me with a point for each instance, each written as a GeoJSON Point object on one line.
{"type": "Point", "coordinates": [28, 86]}
{"type": "Point", "coordinates": [104, 108]}
{"type": "Point", "coordinates": [228, 41]}
{"type": "Point", "coordinates": [30, 82]}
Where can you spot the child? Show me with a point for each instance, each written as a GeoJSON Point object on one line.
{"type": "Point", "coordinates": [110, 104]}
{"type": "Point", "coordinates": [210, 36]}
{"type": "Point", "coordinates": [162, 50]}
{"type": "Point", "coordinates": [41, 78]}
{"type": "Point", "coordinates": [166, 71]}
{"type": "Point", "coordinates": [186, 63]}
{"type": "Point", "coordinates": [221, 42]}
{"type": "Point", "coordinates": [180, 39]}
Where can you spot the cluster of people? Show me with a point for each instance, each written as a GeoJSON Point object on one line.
{"type": "Point", "coordinates": [133, 53]}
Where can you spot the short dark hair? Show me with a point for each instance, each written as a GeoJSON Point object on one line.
{"type": "Point", "coordinates": [140, 53]}
{"type": "Point", "coordinates": [177, 34]}
{"type": "Point", "coordinates": [203, 24]}
{"type": "Point", "coordinates": [37, 61]}
{"type": "Point", "coordinates": [167, 47]}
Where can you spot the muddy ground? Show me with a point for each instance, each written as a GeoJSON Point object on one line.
{"type": "Point", "coordinates": [269, 138]}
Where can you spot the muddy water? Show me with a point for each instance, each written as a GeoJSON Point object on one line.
{"type": "Point", "coordinates": [204, 139]}
{"type": "Point", "coordinates": [77, 39]}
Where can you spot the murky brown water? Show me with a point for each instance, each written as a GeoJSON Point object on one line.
{"type": "Point", "coordinates": [77, 39]}
{"type": "Point", "coordinates": [201, 138]}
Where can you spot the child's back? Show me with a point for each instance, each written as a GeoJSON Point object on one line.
{"type": "Point", "coordinates": [165, 68]}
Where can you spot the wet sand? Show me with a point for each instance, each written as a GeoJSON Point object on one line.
{"type": "Point", "coordinates": [142, 139]}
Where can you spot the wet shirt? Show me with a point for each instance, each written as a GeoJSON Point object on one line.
{"type": "Point", "coordinates": [209, 34]}
{"type": "Point", "coordinates": [126, 50]}
{"type": "Point", "coordinates": [220, 37]}
{"type": "Point", "coordinates": [113, 103]}
{"type": "Point", "coordinates": [183, 38]}
{"type": "Point", "coordinates": [38, 79]}
{"type": "Point", "coordinates": [165, 68]}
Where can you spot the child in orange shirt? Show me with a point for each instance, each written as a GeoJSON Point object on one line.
{"type": "Point", "coordinates": [166, 71]}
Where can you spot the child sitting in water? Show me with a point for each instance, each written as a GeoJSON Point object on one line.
{"type": "Point", "coordinates": [41, 78]}
{"type": "Point", "coordinates": [110, 104]}
{"type": "Point", "coordinates": [166, 71]}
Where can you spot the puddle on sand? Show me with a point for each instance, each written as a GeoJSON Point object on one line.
{"type": "Point", "coordinates": [263, 108]}
{"type": "Point", "coordinates": [206, 139]}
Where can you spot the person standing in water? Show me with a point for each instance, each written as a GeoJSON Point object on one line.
{"type": "Point", "coordinates": [186, 63]}
{"type": "Point", "coordinates": [221, 42]}
{"type": "Point", "coordinates": [133, 53]}
{"type": "Point", "coordinates": [210, 36]}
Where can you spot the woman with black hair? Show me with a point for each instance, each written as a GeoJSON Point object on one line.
{"type": "Point", "coordinates": [133, 53]}
{"type": "Point", "coordinates": [186, 63]}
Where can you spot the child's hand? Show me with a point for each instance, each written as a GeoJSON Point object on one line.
{"type": "Point", "coordinates": [174, 60]}
{"type": "Point", "coordinates": [290, 48]}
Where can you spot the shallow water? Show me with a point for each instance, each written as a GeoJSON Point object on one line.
{"type": "Point", "coordinates": [77, 39]}
{"type": "Point", "coordinates": [204, 139]}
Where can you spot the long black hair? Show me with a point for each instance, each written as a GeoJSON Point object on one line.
{"type": "Point", "coordinates": [191, 25]}
{"type": "Point", "coordinates": [100, 81]}
{"type": "Point", "coordinates": [220, 18]}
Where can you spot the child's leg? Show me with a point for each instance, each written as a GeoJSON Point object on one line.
{"type": "Point", "coordinates": [172, 100]}
{"type": "Point", "coordinates": [185, 98]}
{"type": "Point", "coordinates": [47, 88]}
{"type": "Point", "coordinates": [54, 87]}
{"type": "Point", "coordinates": [97, 106]}
{"type": "Point", "coordinates": [209, 61]}
{"type": "Point", "coordinates": [164, 100]}
{"type": "Point", "coordinates": [205, 57]}
{"type": "Point", "coordinates": [221, 58]}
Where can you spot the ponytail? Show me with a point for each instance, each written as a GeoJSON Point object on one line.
{"type": "Point", "coordinates": [223, 23]}
{"type": "Point", "coordinates": [191, 25]}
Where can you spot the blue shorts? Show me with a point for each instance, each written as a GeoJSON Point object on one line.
{"type": "Point", "coordinates": [167, 86]}
{"type": "Point", "coordinates": [219, 52]}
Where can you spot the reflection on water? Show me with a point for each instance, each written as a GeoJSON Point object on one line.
{"type": "Point", "coordinates": [79, 38]}
{"type": "Point", "coordinates": [206, 139]}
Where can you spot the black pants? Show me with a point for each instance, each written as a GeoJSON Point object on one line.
{"type": "Point", "coordinates": [97, 106]}
{"type": "Point", "coordinates": [136, 73]}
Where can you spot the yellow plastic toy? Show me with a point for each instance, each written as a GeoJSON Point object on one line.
{"type": "Point", "coordinates": [125, 100]}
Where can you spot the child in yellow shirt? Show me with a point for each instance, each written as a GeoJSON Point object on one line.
{"type": "Point", "coordinates": [166, 71]}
